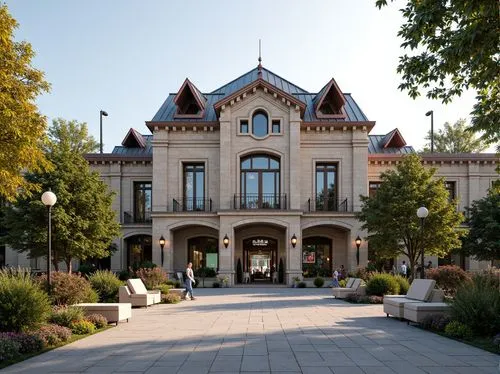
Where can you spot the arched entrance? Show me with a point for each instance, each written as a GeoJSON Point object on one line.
{"type": "Point", "coordinates": [139, 250]}
{"type": "Point", "coordinates": [260, 256]}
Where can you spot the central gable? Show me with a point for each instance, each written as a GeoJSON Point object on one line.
{"type": "Point", "coordinates": [268, 88]}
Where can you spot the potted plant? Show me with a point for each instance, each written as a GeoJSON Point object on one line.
{"type": "Point", "coordinates": [296, 281]}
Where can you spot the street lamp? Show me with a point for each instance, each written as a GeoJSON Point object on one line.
{"type": "Point", "coordinates": [162, 244]}
{"type": "Point", "coordinates": [358, 243]}
{"type": "Point", "coordinates": [294, 241]}
{"type": "Point", "coordinates": [431, 113]}
{"type": "Point", "coordinates": [422, 213]}
{"type": "Point", "coordinates": [49, 199]}
{"type": "Point", "coordinates": [105, 114]}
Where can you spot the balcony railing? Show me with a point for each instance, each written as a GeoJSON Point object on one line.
{"type": "Point", "coordinates": [260, 201]}
{"type": "Point", "coordinates": [129, 217]}
{"type": "Point", "coordinates": [189, 204]}
{"type": "Point", "coordinates": [328, 204]}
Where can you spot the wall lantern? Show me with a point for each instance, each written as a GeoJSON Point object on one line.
{"type": "Point", "coordinates": [225, 241]}
{"type": "Point", "coordinates": [162, 244]}
{"type": "Point", "coordinates": [358, 243]}
{"type": "Point", "coordinates": [294, 241]}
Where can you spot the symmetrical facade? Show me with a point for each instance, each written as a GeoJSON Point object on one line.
{"type": "Point", "coordinates": [259, 162]}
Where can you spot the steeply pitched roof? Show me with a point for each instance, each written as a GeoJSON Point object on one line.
{"type": "Point", "coordinates": [134, 139]}
{"type": "Point", "coordinates": [394, 139]}
{"type": "Point", "coordinates": [125, 150]}
{"type": "Point", "coordinates": [381, 144]}
{"type": "Point", "coordinates": [167, 112]}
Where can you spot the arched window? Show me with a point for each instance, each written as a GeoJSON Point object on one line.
{"type": "Point", "coordinates": [260, 124]}
{"type": "Point", "coordinates": [203, 252]}
{"type": "Point", "coordinates": [260, 182]}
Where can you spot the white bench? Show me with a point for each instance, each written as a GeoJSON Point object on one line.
{"type": "Point", "coordinates": [114, 312]}
{"type": "Point", "coordinates": [416, 312]}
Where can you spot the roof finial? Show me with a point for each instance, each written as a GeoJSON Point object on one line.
{"type": "Point", "coordinates": [260, 61]}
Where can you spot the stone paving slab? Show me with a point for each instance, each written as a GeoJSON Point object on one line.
{"type": "Point", "coordinates": [263, 330]}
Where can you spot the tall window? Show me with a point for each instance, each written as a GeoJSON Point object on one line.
{"type": "Point", "coordinates": [260, 182]}
{"type": "Point", "coordinates": [203, 252]}
{"type": "Point", "coordinates": [142, 201]}
{"type": "Point", "coordinates": [326, 187]}
{"type": "Point", "coordinates": [260, 124]}
{"type": "Point", "coordinates": [372, 188]}
{"type": "Point", "coordinates": [450, 187]}
{"type": "Point", "coordinates": [194, 186]}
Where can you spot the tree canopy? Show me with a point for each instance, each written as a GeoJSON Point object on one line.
{"type": "Point", "coordinates": [83, 220]}
{"type": "Point", "coordinates": [453, 46]}
{"type": "Point", "coordinates": [483, 239]}
{"type": "Point", "coordinates": [455, 139]}
{"type": "Point", "coordinates": [390, 216]}
{"type": "Point", "coordinates": [22, 127]}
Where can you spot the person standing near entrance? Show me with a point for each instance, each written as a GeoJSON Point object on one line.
{"type": "Point", "coordinates": [404, 269]}
{"type": "Point", "coordinates": [189, 280]}
{"type": "Point", "coordinates": [335, 279]}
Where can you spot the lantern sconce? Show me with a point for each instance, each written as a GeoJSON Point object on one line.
{"type": "Point", "coordinates": [225, 241]}
{"type": "Point", "coordinates": [294, 241]}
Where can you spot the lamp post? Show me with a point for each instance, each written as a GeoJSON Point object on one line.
{"type": "Point", "coordinates": [422, 213]}
{"type": "Point", "coordinates": [358, 243]}
{"type": "Point", "coordinates": [431, 113]}
{"type": "Point", "coordinates": [105, 114]}
{"type": "Point", "coordinates": [293, 241]}
{"type": "Point", "coordinates": [49, 199]}
{"type": "Point", "coordinates": [162, 244]}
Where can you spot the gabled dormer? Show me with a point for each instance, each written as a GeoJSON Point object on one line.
{"type": "Point", "coordinates": [330, 101]}
{"type": "Point", "coordinates": [189, 101]}
{"type": "Point", "coordinates": [394, 139]}
{"type": "Point", "coordinates": [134, 139]}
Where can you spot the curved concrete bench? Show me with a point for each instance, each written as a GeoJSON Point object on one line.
{"type": "Point", "coordinates": [114, 312]}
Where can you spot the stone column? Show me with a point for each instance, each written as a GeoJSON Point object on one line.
{"type": "Point", "coordinates": [294, 255]}
{"type": "Point", "coordinates": [225, 176]}
{"type": "Point", "coordinates": [160, 168]}
{"type": "Point", "coordinates": [226, 255]}
{"type": "Point", "coordinates": [359, 167]}
{"type": "Point", "coordinates": [294, 160]}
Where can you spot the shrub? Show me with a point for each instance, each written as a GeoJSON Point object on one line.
{"type": "Point", "coordinates": [239, 272]}
{"type": "Point", "coordinates": [23, 305]}
{"type": "Point", "coordinates": [171, 298]}
{"type": "Point", "coordinates": [53, 334]}
{"type": "Point", "coordinates": [382, 284]}
{"type": "Point", "coordinates": [64, 316]}
{"type": "Point", "coordinates": [363, 273]}
{"type": "Point", "coordinates": [375, 299]}
{"type": "Point", "coordinates": [68, 289]}
{"type": "Point", "coordinates": [142, 265]}
{"type": "Point", "coordinates": [435, 322]}
{"type": "Point", "coordinates": [106, 283]}
{"type": "Point", "coordinates": [151, 277]}
{"type": "Point", "coordinates": [9, 349]}
{"type": "Point", "coordinates": [351, 298]}
{"type": "Point", "coordinates": [164, 288]}
{"type": "Point", "coordinates": [98, 320]}
{"type": "Point", "coordinates": [301, 285]}
{"type": "Point", "coordinates": [458, 330]}
{"type": "Point", "coordinates": [449, 278]}
{"type": "Point", "coordinates": [82, 327]}
{"type": "Point", "coordinates": [28, 343]}
{"type": "Point", "coordinates": [86, 269]}
{"type": "Point", "coordinates": [319, 282]}
{"type": "Point", "coordinates": [207, 273]}
{"type": "Point", "coordinates": [477, 305]}
{"type": "Point", "coordinates": [124, 275]}
{"type": "Point", "coordinates": [404, 285]}
{"type": "Point", "coordinates": [343, 283]}
{"type": "Point", "coordinates": [216, 285]}
{"type": "Point", "coordinates": [281, 272]}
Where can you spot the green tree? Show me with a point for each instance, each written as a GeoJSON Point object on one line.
{"type": "Point", "coordinates": [83, 221]}
{"type": "Point", "coordinates": [453, 46]}
{"type": "Point", "coordinates": [483, 240]}
{"type": "Point", "coordinates": [22, 127]}
{"type": "Point", "coordinates": [455, 139]}
{"type": "Point", "coordinates": [391, 219]}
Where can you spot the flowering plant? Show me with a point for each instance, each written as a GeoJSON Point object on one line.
{"type": "Point", "coordinates": [224, 279]}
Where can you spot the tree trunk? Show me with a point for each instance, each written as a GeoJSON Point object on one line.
{"type": "Point", "coordinates": [68, 265]}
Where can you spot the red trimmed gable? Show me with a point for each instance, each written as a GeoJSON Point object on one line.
{"type": "Point", "coordinates": [134, 139]}
{"type": "Point", "coordinates": [190, 101]}
{"type": "Point", "coordinates": [330, 102]}
{"type": "Point", "coordinates": [394, 139]}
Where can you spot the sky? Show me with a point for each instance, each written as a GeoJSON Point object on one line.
{"type": "Point", "coordinates": [125, 56]}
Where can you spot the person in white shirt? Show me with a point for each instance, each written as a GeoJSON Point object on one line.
{"type": "Point", "coordinates": [335, 279]}
{"type": "Point", "coordinates": [404, 269]}
{"type": "Point", "coordinates": [189, 280]}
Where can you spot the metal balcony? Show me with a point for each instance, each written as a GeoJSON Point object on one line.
{"type": "Point", "coordinates": [260, 201]}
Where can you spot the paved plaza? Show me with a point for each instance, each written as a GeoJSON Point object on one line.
{"type": "Point", "coordinates": [264, 330]}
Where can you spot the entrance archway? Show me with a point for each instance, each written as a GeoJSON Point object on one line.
{"type": "Point", "coordinates": [260, 256]}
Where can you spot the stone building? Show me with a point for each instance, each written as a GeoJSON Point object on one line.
{"type": "Point", "coordinates": [259, 171]}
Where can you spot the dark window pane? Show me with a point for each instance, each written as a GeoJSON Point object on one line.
{"type": "Point", "coordinates": [244, 127]}
{"type": "Point", "coordinates": [276, 127]}
{"type": "Point", "coordinates": [142, 201]}
{"type": "Point", "coordinates": [259, 124]}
